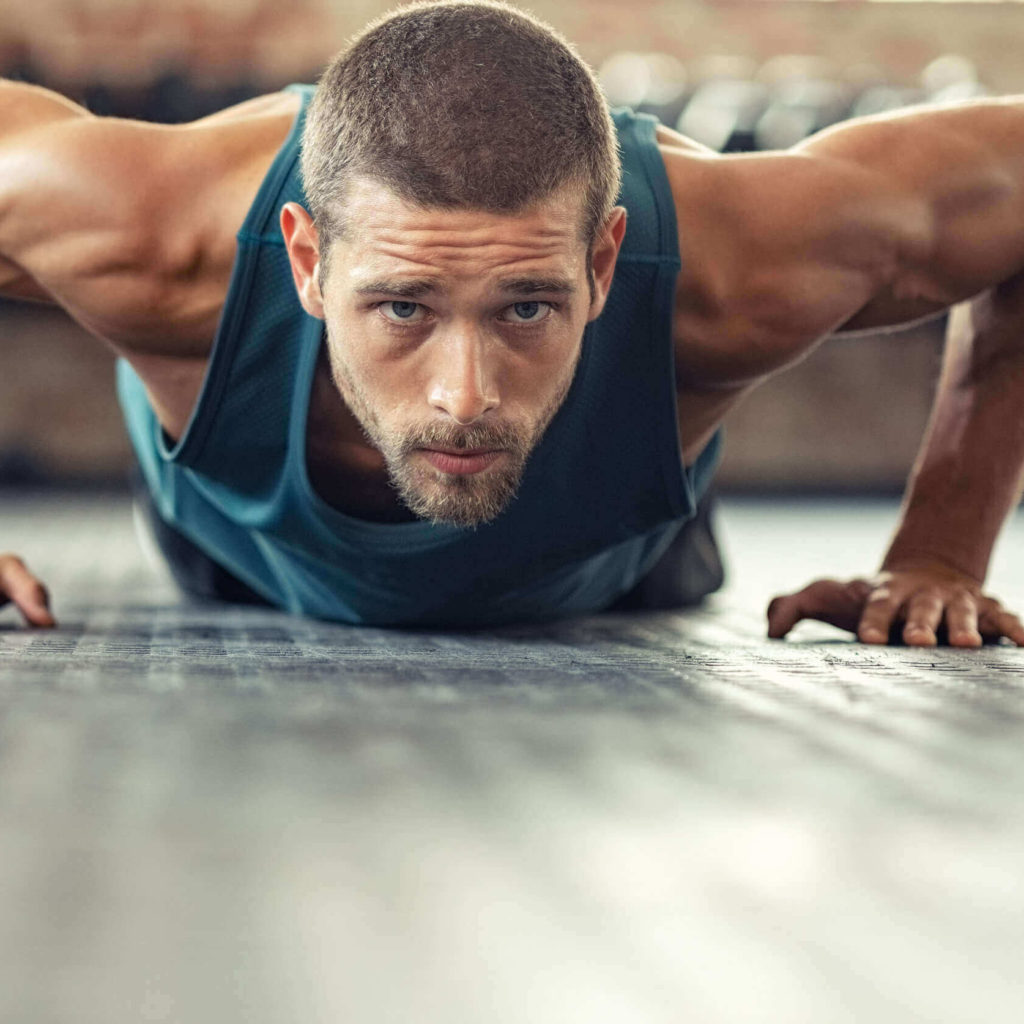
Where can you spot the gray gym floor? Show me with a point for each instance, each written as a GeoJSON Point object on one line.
{"type": "Point", "coordinates": [229, 815]}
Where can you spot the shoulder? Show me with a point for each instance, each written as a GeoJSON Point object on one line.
{"type": "Point", "coordinates": [778, 250]}
{"type": "Point", "coordinates": [131, 225]}
{"type": "Point", "coordinates": [749, 205]}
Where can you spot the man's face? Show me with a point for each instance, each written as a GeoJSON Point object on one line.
{"type": "Point", "coordinates": [453, 337]}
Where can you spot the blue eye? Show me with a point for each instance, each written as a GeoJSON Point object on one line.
{"type": "Point", "coordinates": [401, 312]}
{"type": "Point", "coordinates": [528, 312]}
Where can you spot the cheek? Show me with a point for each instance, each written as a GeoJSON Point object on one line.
{"type": "Point", "coordinates": [544, 374]}
{"type": "Point", "coordinates": [351, 351]}
{"type": "Point", "coordinates": [557, 360]}
{"type": "Point", "coordinates": [376, 389]}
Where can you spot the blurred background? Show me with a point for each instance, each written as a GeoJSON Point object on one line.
{"type": "Point", "coordinates": [737, 75]}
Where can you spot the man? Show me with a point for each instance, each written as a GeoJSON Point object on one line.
{"type": "Point", "coordinates": [466, 422]}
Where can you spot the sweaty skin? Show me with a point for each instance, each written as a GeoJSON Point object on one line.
{"type": "Point", "coordinates": [130, 228]}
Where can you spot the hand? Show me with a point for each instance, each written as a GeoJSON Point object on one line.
{"type": "Point", "coordinates": [19, 587]}
{"type": "Point", "coordinates": [913, 603]}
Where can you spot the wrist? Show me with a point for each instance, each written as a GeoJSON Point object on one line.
{"type": "Point", "coordinates": [914, 558]}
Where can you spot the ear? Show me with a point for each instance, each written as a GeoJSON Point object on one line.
{"type": "Point", "coordinates": [603, 257]}
{"type": "Point", "coordinates": [303, 245]}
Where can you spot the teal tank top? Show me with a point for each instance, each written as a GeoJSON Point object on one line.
{"type": "Point", "coordinates": [602, 497]}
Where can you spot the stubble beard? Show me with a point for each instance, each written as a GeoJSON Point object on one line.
{"type": "Point", "coordinates": [467, 500]}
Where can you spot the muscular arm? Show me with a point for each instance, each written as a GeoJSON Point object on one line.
{"type": "Point", "coordinates": [949, 184]}
{"type": "Point", "coordinates": [876, 223]}
{"type": "Point", "coordinates": [86, 218]}
{"type": "Point", "coordinates": [130, 227]}
{"type": "Point", "coordinates": [25, 109]}
{"type": "Point", "coordinates": [966, 479]}
{"type": "Point", "coordinates": [969, 471]}
{"type": "Point", "coordinates": [28, 115]}
{"type": "Point", "coordinates": [968, 474]}
{"type": "Point", "coordinates": [73, 209]}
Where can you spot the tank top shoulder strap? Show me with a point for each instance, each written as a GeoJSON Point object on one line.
{"type": "Point", "coordinates": [259, 342]}
{"type": "Point", "coordinates": [651, 232]}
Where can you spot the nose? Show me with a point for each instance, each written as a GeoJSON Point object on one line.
{"type": "Point", "coordinates": [463, 385]}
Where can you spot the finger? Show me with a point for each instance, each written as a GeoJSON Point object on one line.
{"type": "Point", "coordinates": [879, 611]}
{"type": "Point", "coordinates": [924, 613]}
{"type": "Point", "coordinates": [812, 602]}
{"type": "Point", "coordinates": [1012, 628]}
{"type": "Point", "coordinates": [998, 623]}
{"type": "Point", "coordinates": [826, 600]}
{"type": "Point", "coordinates": [784, 613]}
{"type": "Point", "coordinates": [25, 592]}
{"type": "Point", "coordinates": [962, 621]}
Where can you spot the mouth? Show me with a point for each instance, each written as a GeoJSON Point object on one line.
{"type": "Point", "coordinates": [463, 462]}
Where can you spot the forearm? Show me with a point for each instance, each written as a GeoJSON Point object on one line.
{"type": "Point", "coordinates": [969, 472]}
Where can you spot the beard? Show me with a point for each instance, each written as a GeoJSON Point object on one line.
{"type": "Point", "coordinates": [467, 500]}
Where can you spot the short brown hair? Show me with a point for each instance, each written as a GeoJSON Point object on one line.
{"type": "Point", "coordinates": [460, 104]}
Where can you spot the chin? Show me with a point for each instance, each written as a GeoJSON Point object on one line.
{"type": "Point", "coordinates": [457, 501]}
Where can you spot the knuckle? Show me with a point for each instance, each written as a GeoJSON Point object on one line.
{"type": "Point", "coordinates": [879, 599]}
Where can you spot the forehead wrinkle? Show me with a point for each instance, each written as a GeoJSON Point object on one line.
{"type": "Point", "coordinates": [508, 256]}
{"type": "Point", "coordinates": [473, 228]}
{"type": "Point", "coordinates": [482, 237]}
{"type": "Point", "coordinates": [466, 229]}
{"type": "Point", "coordinates": [392, 241]}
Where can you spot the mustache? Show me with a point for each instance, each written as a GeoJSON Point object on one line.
{"type": "Point", "coordinates": [503, 436]}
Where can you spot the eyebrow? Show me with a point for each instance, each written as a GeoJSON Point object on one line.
{"type": "Point", "coordinates": [407, 287]}
{"type": "Point", "coordinates": [416, 288]}
{"type": "Point", "coordinates": [534, 285]}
